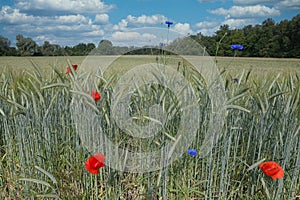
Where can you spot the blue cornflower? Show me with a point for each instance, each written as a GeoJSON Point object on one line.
{"type": "Point", "coordinates": [236, 80]}
{"type": "Point", "coordinates": [169, 23]}
{"type": "Point", "coordinates": [237, 47]}
{"type": "Point", "coordinates": [192, 152]}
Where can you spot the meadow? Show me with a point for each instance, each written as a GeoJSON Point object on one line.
{"type": "Point", "coordinates": [42, 155]}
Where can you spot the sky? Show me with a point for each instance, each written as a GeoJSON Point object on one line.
{"type": "Point", "coordinates": [132, 22]}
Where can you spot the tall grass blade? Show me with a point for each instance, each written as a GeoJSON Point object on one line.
{"type": "Point", "coordinates": [32, 180]}
{"type": "Point", "coordinates": [47, 174]}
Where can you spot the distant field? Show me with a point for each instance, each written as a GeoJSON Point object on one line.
{"type": "Point", "coordinates": [259, 65]}
{"type": "Point", "coordinates": [232, 65]}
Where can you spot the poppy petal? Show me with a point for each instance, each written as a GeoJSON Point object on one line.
{"type": "Point", "coordinates": [69, 68]}
{"type": "Point", "coordinates": [96, 95]}
{"type": "Point", "coordinates": [100, 158]}
{"type": "Point", "coordinates": [279, 175]}
{"type": "Point", "coordinates": [272, 169]}
{"type": "Point", "coordinates": [93, 163]}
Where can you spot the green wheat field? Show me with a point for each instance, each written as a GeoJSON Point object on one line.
{"type": "Point", "coordinates": [42, 156]}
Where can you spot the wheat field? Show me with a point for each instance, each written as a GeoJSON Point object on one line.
{"type": "Point", "coordinates": [42, 155]}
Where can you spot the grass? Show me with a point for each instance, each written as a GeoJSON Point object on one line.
{"type": "Point", "coordinates": [42, 155]}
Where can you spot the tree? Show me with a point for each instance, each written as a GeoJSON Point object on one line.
{"type": "Point", "coordinates": [222, 44]}
{"type": "Point", "coordinates": [265, 39]}
{"type": "Point", "coordinates": [4, 46]}
{"type": "Point", "coordinates": [27, 46]}
{"type": "Point", "coordinates": [51, 49]}
{"type": "Point", "coordinates": [294, 35]}
{"type": "Point", "coordinates": [82, 49]}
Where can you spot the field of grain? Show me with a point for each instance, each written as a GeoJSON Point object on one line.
{"type": "Point", "coordinates": [237, 64]}
{"type": "Point", "coordinates": [42, 154]}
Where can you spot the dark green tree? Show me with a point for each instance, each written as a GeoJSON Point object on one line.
{"type": "Point", "coordinates": [51, 49]}
{"type": "Point", "coordinates": [26, 46]}
{"type": "Point", "coordinates": [4, 46]}
{"type": "Point", "coordinates": [222, 42]}
{"type": "Point", "coordinates": [294, 35]}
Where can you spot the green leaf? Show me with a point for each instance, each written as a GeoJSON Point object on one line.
{"type": "Point", "coordinates": [47, 174]}
{"type": "Point", "coordinates": [238, 108]}
{"type": "Point", "coordinates": [255, 164]}
{"type": "Point", "coordinates": [240, 95]}
{"type": "Point", "coordinates": [36, 181]}
{"type": "Point", "coordinates": [48, 196]}
{"type": "Point", "coordinates": [54, 85]}
{"type": "Point", "coordinates": [265, 187]}
{"type": "Point", "coordinates": [2, 112]}
{"type": "Point", "coordinates": [37, 69]}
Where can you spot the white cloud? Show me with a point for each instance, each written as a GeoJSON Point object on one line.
{"type": "Point", "coordinates": [146, 20]}
{"type": "Point", "coordinates": [68, 19]}
{"type": "Point", "coordinates": [183, 28]}
{"type": "Point", "coordinates": [9, 15]}
{"type": "Point", "coordinates": [12, 16]}
{"type": "Point", "coordinates": [278, 4]}
{"type": "Point", "coordinates": [94, 33]}
{"type": "Point", "coordinates": [207, 24]}
{"type": "Point", "coordinates": [140, 21]}
{"type": "Point", "coordinates": [246, 11]}
{"type": "Point", "coordinates": [208, 31]}
{"type": "Point", "coordinates": [209, 28]}
{"type": "Point", "coordinates": [101, 19]}
{"type": "Point", "coordinates": [124, 36]}
{"type": "Point", "coordinates": [254, 2]}
{"type": "Point", "coordinates": [132, 38]}
{"type": "Point", "coordinates": [70, 6]}
{"type": "Point", "coordinates": [122, 25]}
{"type": "Point", "coordinates": [239, 23]}
{"type": "Point", "coordinates": [68, 29]}
{"type": "Point", "coordinates": [288, 4]}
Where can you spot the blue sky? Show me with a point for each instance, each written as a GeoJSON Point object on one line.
{"type": "Point", "coordinates": [69, 22]}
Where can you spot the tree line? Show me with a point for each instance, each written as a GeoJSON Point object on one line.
{"type": "Point", "coordinates": [268, 39]}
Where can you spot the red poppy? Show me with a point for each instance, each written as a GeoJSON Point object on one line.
{"type": "Point", "coordinates": [272, 169]}
{"type": "Point", "coordinates": [69, 68]}
{"type": "Point", "coordinates": [93, 163]}
{"type": "Point", "coordinates": [96, 95]}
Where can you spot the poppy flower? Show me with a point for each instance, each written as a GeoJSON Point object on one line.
{"type": "Point", "coordinates": [93, 163]}
{"type": "Point", "coordinates": [96, 95]}
{"type": "Point", "coordinates": [272, 169]}
{"type": "Point", "coordinates": [169, 23]}
{"type": "Point", "coordinates": [237, 47]}
{"type": "Point", "coordinates": [192, 152]}
{"type": "Point", "coordinates": [69, 68]}
{"type": "Point", "coordinates": [236, 80]}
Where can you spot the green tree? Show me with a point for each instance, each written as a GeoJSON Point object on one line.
{"type": "Point", "coordinates": [4, 46]}
{"type": "Point", "coordinates": [294, 35]}
{"type": "Point", "coordinates": [265, 39]}
{"type": "Point", "coordinates": [236, 36]}
{"type": "Point", "coordinates": [222, 44]}
{"type": "Point", "coordinates": [82, 49]}
{"type": "Point", "coordinates": [26, 46]}
{"type": "Point", "coordinates": [51, 49]}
